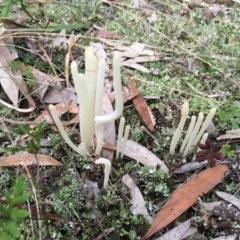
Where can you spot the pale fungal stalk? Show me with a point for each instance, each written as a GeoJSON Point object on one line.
{"type": "Point", "coordinates": [178, 132]}
{"type": "Point", "coordinates": [204, 127]}
{"type": "Point", "coordinates": [204, 139]}
{"type": "Point", "coordinates": [120, 135]}
{"type": "Point", "coordinates": [91, 69]}
{"type": "Point", "coordinates": [118, 93]}
{"type": "Point", "coordinates": [189, 132]}
{"type": "Point", "coordinates": [82, 94]}
{"type": "Point", "coordinates": [89, 89]}
{"type": "Point", "coordinates": [194, 134]}
{"type": "Point", "coordinates": [107, 169]}
{"type": "Point", "coordinates": [98, 105]}
{"type": "Point", "coordinates": [124, 141]}
{"type": "Point", "coordinates": [63, 133]}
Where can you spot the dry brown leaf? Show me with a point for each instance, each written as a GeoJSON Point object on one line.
{"type": "Point", "coordinates": [106, 232]}
{"type": "Point", "coordinates": [56, 96]}
{"type": "Point", "coordinates": [49, 78]}
{"type": "Point", "coordinates": [11, 24]}
{"type": "Point", "coordinates": [73, 108]}
{"type": "Point", "coordinates": [134, 54]}
{"type": "Point", "coordinates": [26, 159]}
{"type": "Point", "coordinates": [132, 64]}
{"type": "Point", "coordinates": [192, 166]}
{"type": "Point", "coordinates": [45, 116]}
{"type": "Point", "coordinates": [229, 198]}
{"type": "Point", "coordinates": [135, 50]}
{"type": "Point", "coordinates": [185, 196]}
{"type": "Point", "coordinates": [75, 120]}
{"type": "Point", "coordinates": [59, 40]}
{"type": "Point", "coordinates": [228, 237]}
{"type": "Point", "coordinates": [107, 34]}
{"type": "Point", "coordinates": [142, 108]}
{"type": "Point", "coordinates": [127, 94]}
{"type": "Point", "coordinates": [10, 80]}
{"type": "Point", "coordinates": [109, 146]}
{"type": "Point", "coordinates": [99, 51]}
{"type": "Point", "coordinates": [61, 108]}
{"type": "Point", "coordinates": [41, 86]}
{"type": "Point", "coordinates": [138, 204]}
{"type": "Point", "coordinates": [8, 85]}
{"type": "Point", "coordinates": [212, 11]}
{"type": "Point", "coordinates": [143, 155]}
{"type": "Point", "coordinates": [231, 134]}
{"type": "Point", "coordinates": [8, 76]}
{"type": "Point", "coordinates": [43, 82]}
{"type": "Point", "coordinates": [182, 231]}
{"type": "Point", "coordinates": [209, 206]}
{"type": "Point", "coordinates": [9, 41]}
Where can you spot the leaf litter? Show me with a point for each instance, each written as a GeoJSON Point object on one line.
{"type": "Point", "coordinates": [181, 231]}
{"type": "Point", "coordinates": [11, 81]}
{"type": "Point", "coordinates": [27, 159]}
{"type": "Point", "coordinates": [137, 201]}
{"type": "Point", "coordinates": [132, 55]}
{"type": "Point", "coordinates": [185, 196]}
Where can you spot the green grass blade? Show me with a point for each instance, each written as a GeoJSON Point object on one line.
{"type": "Point", "coordinates": [5, 9]}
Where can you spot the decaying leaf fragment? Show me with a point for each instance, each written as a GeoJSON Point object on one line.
{"type": "Point", "coordinates": [185, 196]}
{"type": "Point", "coordinates": [27, 159]}
{"type": "Point", "coordinates": [142, 108]}
{"type": "Point", "coordinates": [137, 200]}
{"type": "Point", "coordinates": [230, 134]}
{"type": "Point", "coordinates": [11, 80]}
{"type": "Point", "coordinates": [182, 231]}
{"type": "Point", "coordinates": [229, 198]}
{"type": "Point", "coordinates": [61, 108]}
{"type": "Point", "coordinates": [143, 155]}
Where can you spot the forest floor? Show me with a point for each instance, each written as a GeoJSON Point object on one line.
{"type": "Point", "coordinates": [172, 52]}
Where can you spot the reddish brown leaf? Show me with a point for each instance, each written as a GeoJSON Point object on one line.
{"type": "Point", "coordinates": [109, 146]}
{"type": "Point", "coordinates": [61, 108]}
{"type": "Point", "coordinates": [142, 108]}
{"type": "Point", "coordinates": [107, 35]}
{"type": "Point", "coordinates": [27, 159]}
{"type": "Point", "coordinates": [185, 196]}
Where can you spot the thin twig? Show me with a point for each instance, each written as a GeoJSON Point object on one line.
{"type": "Point", "coordinates": [48, 59]}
